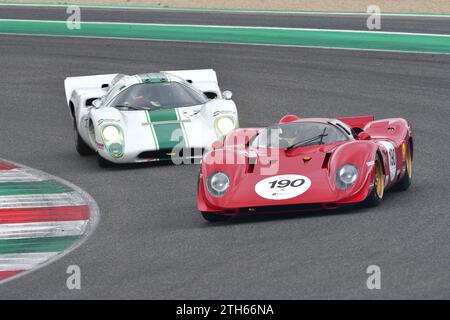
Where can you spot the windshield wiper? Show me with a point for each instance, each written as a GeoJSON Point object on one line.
{"type": "Point", "coordinates": [124, 106]}
{"type": "Point", "coordinates": [309, 140]}
{"type": "Point", "coordinates": [137, 108]}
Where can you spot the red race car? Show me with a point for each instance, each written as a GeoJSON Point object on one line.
{"type": "Point", "coordinates": [305, 164]}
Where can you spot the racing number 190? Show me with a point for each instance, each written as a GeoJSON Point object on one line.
{"type": "Point", "coordinates": [286, 182]}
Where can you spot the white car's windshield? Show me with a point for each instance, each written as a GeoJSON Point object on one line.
{"type": "Point", "coordinates": [157, 96]}
{"type": "Point", "coordinates": [299, 133]}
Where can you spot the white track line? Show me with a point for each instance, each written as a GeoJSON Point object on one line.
{"type": "Point", "coordinates": [235, 27]}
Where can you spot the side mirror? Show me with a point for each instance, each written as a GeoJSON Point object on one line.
{"type": "Point", "coordinates": [364, 136]}
{"type": "Point", "coordinates": [217, 145]}
{"type": "Point", "coordinates": [96, 103]}
{"type": "Point", "coordinates": [227, 94]}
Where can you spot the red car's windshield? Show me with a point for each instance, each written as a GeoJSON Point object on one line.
{"type": "Point", "coordinates": [303, 133]}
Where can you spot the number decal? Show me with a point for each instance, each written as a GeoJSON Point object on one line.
{"type": "Point", "coordinates": [282, 187]}
{"type": "Point", "coordinates": [298, 183]}
{"type": "Point", "coordinates": [391, 155]}
{"type": "Point", "coordinates": [284, 183]}
{"type": "Point", "coordinates": [392, 158]}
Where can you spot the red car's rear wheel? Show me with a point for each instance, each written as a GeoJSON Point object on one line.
{"type": "Point", "coordinates": [376, 195]}
{"type": "Point", "coordinates": [404, 184]}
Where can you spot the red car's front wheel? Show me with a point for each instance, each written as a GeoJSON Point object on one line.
{"type": "Point", "coordinates": [214, 217]}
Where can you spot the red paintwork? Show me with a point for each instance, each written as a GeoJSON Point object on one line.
{"type": "Point", "coordinates": [8, 274]}
{"type": "Point", "coordinates": [50, 214]}
{"type": "Point", "coordinates": [6, 166]}
{"type": "Point", "coordinates": [358, 122]}
{"type": "Point", "coordinates": [289, 118]}
{"type": "Point", "coordinates": [323, 193]}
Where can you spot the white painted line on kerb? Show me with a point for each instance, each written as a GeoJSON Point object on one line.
{"type": "Point", "coordinates": [24, 261]}
{"type": "Point", "coordinates": [224, 10]}
{"type": "Point", "coordinates": [41, 200]}
{"type": "Point", "coordinates": [42, 229]}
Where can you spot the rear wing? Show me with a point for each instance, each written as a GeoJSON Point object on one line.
{"type": "Point", "coordinates": [357, 122]}
{"type": "Point", "coordinates": [203, 79]}
{"type": "Point", "coordinates": [87, 82]}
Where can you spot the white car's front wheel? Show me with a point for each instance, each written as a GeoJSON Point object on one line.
{"type": "Point", "coordinates": [82, 147]}
{"type": "Point", "coordinates": [103, 163]}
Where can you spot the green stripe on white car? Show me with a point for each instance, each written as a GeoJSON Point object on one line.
{"type": "Point", "coordinates": [167, 128]}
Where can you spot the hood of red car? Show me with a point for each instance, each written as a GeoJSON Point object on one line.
{"type": "Point", "coordinates": [277, 177]}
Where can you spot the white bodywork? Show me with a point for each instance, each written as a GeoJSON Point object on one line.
{"type": "Point", "coordinates": [198, 122]}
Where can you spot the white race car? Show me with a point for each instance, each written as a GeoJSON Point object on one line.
{"type": "Point", "coordinates": [170, 115]}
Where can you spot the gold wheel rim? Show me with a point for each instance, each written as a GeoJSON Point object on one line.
{"type": "Point", "coordinates": [379, 180]}
{"type": "Point", "coordinates": [408, 162]}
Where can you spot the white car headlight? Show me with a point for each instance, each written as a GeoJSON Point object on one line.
{"type": "Point", "coordinates": [224, 125]}
{"type": "Point", "coordinates": [218, 183]}
{"type": "Point", "coordinates": [346, 176]}
{"type": "Point", "coordinates": [111, 133]}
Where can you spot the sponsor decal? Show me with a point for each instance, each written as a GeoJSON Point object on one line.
{"type": "Point", "coordinates": [191, 113]}
{"type": "Point", "coordinates": [370, 163]}
{"type": "Point", "coordinates": [99, 145]}
{"type": "Point", "coordinates": [282, 187]}
{"type": "Point", "coordinates": [392, 158]}
{"type": "Point", "coordinates": [106, 120]}
{"type": "Point", "coordinates": [217, 113]}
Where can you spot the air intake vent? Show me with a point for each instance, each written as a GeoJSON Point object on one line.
{"type": "Point", "coordinates": [251, 165]}
{"type": "Point", "coordinates": [326, 160]}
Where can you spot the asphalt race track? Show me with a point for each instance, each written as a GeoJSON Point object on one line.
{"type": "Point", "coordinates": [152, 243]}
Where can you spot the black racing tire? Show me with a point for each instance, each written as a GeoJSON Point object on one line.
{"type": "Point", "coordinates": [197, 161]}
{"type": "Point", "coordinates": [375, 197]}
{"type": "Point", "coordinates": [214, 217]}
{"type": "Point", "coordinates": [405, 182]}
{"type": "Point", "coordinates": [103, 163]}
{"type": "Point", "coordinates": [81, 146]}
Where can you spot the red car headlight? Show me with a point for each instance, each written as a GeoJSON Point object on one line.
{"type": "Point", "coordinates": [346, 176]}
{"type": "Point", "coordinates": [218, 183]}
